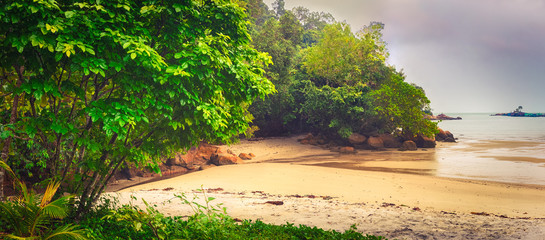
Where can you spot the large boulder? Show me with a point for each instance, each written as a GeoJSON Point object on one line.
{"type": "Point", "coordinates": [390, 141]}
{"type": "Point", "coordinates": [450, 137]}
{"type": "Point", "coordinates": [357, 138]}
{"type": "Point", "coordinates": [425, 142]}
{"type": "Point", "coordinates": [225, 159]}
{"type": "Point", "coordinates": [444, 136]}
{"type": "Point", "coordinates": [408, 146]}
{"type": "Point", "coordinates": [375, 142]}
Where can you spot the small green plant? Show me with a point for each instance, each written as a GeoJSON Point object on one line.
{"type": "Point", "coordinates": [207, 209]}
{"type": "Point", "coordinates": [139, 219]}
{"type": "Point", "coordinates": [32, 215]}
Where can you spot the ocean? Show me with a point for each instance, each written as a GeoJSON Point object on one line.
{"type": "Point", "coordinates": [494, 148]}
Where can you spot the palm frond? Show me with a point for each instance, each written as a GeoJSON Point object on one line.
{"type": "Point", "coordinates": [66, 232]}
{"type": "Point", "coordinates": [58, 208]}
{"type": "Point", "coordinates": [5, 166]}
{"type": "Point", "coordinates": [49, 193]}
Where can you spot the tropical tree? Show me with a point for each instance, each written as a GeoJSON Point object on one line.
{"type": "Point", "coordinates": [88, 86]}
{"type": "Point", "coordinates": [352, 89]}
{"type": "Point", "coordinates": [401, 105]}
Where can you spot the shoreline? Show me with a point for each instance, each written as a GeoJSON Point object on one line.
{"type": "Point", "coordinates": [391, 204]}
{"type": "Point", "coordinates": [430, 192]}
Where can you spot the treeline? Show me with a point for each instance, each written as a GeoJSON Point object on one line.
{"type": "Point", "coordinates": [90, 87]}
{"type": "Point", "coordinates": [329, 79]}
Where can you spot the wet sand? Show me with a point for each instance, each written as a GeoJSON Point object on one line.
{"type": "Point", "coordinates": [390, 193]}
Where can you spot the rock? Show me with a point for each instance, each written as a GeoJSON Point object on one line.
{"type": "Point", "coordinates": [408, 146]}
{"type": "Point", "coordinates": [425, 142]}
{"type": "Point", "coordinates": [206, 150]}
{"type": "Point", "coordinates": [306, 137]}
{"type": "Point", "coordinates": [444, 136]}
{"type": "Point", "coordinates": [390, 141]}
{"type": "Point", "coordinates": [450, 137]}
{"type": "Point", "coordinates": [304, 141]}
{"type": "Point", "coordinates": [443, 117]}
{"type": "Point", "coordinates": [251, 155]}
{"type": "Point", "coordinates": [441, 135]}
{"type": "Point", "coordinates": [225, 159]}
{"type": "Point", "coordinates": [172, 162]}
{"type": "Point", "coordinates": [245, 156]}
{"type": "Point", "coordinates": [375, 142]}
{"type": "Point", "coordinates": [321, 141]}
{"type": "Point", "coordinates": [230, 151]}
{"type": "Point", "coordinates": [204, 167]}
{"type": "Point", "coordinates": [357, 138]}
{"type": "Point", "coordinates": [347, 150]}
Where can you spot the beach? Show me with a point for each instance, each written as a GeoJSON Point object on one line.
{"type": "Point", "coordinates": [392, 193]}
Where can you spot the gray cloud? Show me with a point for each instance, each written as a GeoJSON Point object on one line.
{"type": "Point", "coordinates": [470, 56]}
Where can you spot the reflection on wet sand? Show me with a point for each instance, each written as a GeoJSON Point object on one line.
{"type": "Point", "coordinates": [422, 162]}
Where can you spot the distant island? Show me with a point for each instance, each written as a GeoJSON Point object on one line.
{"type": "Point", "coordinates": [519, 113]}
{"type": "Point", "coordinates": [442, 117]}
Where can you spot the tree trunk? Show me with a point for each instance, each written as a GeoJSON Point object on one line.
{"type": "Point", "coordinates": [12, 120]}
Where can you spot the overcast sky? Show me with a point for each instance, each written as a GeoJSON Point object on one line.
{"type": "Point", "coordinates": [469, 55]}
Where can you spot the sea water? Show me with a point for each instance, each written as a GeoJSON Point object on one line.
{"type": "Point", "coordinates": [494, 148]}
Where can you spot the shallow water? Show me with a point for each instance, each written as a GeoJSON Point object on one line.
{"type": "Point", "coordinates": [494, 148]}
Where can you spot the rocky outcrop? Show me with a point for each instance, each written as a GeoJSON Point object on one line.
{"type": "Point", "coordinates": [444, 136]}
{"type": "Point", "coordinates": [197, 158]}
{"type": "Point", "coordinates": [442, 117]}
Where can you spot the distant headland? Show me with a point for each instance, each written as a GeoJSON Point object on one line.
{"type": "Point", "coordinates": [519, 113]}
{"type": "Point", "coordinates": [442, 117]}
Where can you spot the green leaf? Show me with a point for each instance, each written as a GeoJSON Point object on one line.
{"type": "Point", "coordinates": [133, 55]}
{"type": "Point", "coordinates": [69, 14]}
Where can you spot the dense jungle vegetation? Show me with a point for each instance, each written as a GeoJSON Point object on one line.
{"type": "Point", "coordinates": [88, 87]}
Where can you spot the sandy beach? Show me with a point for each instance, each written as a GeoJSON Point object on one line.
{"type": "Point", "coordinates": [389, 193]}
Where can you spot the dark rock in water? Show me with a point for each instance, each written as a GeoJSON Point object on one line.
{"type": "Point", "coordinates": [408, 146]}
{"type": "Point", "coordinates": [443, 117]}
{"type": "Point", "coordinates": [444, 136]}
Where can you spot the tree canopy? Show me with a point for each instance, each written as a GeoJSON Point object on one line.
{"type": "Point", "coordinates": [90, 85]}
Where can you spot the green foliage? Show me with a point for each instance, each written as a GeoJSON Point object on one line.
{"type": "Point", "coordinates": [341, 110]}
{"type": "Point", "coordinates": [95, 84]}
{"type": "Point", "coordinates": [32, 215]}
{"type": "Point", "coordinates": [341, 58]}
{"type": "Point", "coordinates": [401, 105]}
